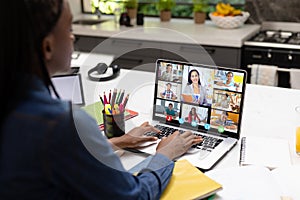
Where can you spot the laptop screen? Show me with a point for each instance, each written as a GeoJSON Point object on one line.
{"type": "Point", "coordinates": [69, 87]}
{"type": "Point", "coordinates": [199, 97]}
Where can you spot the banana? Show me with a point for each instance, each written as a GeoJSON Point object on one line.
{"type": "Point", "coordinates": [221, 9]}
{"type": "Point", "coordinates": [227, 10]}
{"type": "Point", "coordinates": [237, 12]}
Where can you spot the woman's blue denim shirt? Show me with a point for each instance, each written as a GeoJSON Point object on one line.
{"type": "Point", "coordinates": [52, 150]}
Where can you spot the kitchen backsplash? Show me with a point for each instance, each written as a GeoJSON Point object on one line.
{"type": "Point", "coordinates": [275, 10]}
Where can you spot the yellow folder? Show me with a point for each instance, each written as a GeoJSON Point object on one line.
{"type": "Point", "coordinates": [187, 182]}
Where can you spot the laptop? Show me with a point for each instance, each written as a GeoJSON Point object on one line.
{"type": "Point", "coordinates": [69, 87]}
{"type": "Point", "coordinates": [214, 111]}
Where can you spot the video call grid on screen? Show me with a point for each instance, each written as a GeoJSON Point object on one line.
{"type": "Point", "coordinates": [216, 108]}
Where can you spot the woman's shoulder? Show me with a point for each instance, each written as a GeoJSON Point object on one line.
{"type": "Point", "coordinates": [187, 86]}
{"type": "Point", "coordinates": [40, 103]}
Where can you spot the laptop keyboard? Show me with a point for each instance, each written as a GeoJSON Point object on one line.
{"type": "Point", "coordinates": [208, 143]}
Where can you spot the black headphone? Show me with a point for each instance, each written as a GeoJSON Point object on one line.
{"type": "Point", "coordinates": [101, 68]}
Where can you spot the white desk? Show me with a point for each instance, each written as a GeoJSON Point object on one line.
{"type": "Point", "coordinates": [268, 111]}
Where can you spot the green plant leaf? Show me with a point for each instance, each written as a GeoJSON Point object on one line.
{"type": "Point", "coordinates": [165, 5]}
{"type": "Point", "coordinates": [200, 6]}
{"type": "Point", "coordinates": [131, 3]}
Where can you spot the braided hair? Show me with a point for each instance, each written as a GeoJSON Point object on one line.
{"type": "Point", "coordinates": [21, 47]}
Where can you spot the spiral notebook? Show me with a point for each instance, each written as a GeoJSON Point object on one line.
{"type": "Point", "coordinates": [268, 152]}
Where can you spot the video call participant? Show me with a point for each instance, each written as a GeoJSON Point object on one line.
{"type": "Point", "coordinates": [224, 103]}
{"type": "Point", "coordinates": [193, 116]}
{"type": "Point", "coordinates": [42, 154]}
{"type": "Point", "coordinates": [168, 93]}
{"type": "Point", "coordinates": [167, 75]}
{"type": "Point", "coordinates": [194, 87]}
{"type": "Point", "coordinates": [170, 110]}
{"type": "Point", "coordinates": [222, 120]}
{"type": "Point", "coordinates": [229, 82]}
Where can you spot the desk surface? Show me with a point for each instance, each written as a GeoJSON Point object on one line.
{"type": "Point", "coordinates": [268, 111]}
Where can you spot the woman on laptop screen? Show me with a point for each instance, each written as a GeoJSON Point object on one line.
{"type": "Point", "coordinates": [194, 92]}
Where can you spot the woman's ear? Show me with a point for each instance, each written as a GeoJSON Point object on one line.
{"type": "Point", "coordinates": [47, 47]}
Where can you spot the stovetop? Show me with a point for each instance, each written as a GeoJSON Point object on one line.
{"type": "Point", "coordinates": [276, 37]}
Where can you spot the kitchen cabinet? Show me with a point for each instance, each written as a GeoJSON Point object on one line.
{"type": "Point", "coordinates": [87, 43]}
{"type": "Point", "coordinates": [142, 54]}
{"type": "Point", "coordinates": [203, 54]}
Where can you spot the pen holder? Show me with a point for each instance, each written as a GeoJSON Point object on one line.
{"type": "Point", "coordinates": [114, 125]}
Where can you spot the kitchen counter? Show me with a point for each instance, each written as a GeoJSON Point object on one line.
{"type": "Point", "coordinates": [177, 30]}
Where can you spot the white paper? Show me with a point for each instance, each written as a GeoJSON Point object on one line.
{"type": "Point", "coordinates": [289, 180]}
{"type": "Point", "coordinates": [268, 152]}
{"type": "Point", "coordinates": [246, 183]}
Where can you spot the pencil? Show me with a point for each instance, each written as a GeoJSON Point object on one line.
{"type": "Point", "coordinates": [105, 99]}
{"type": "Point", "coordinates": [125, 101]}
{"type": "Point", "coordinates": [112, 102]}
{"type": "Point", "coordinates": [121, 97]}
{"type": "Point", "coordinates": [118, 96]}
{"type": "Point", "coordinates": [101, 100]}
{"type": "Point", "coordinates": [109, 97]}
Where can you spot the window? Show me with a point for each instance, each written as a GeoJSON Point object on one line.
{"type": "Point", "coordinates": [183, 8]}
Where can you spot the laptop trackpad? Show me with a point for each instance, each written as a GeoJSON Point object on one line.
{"type": "Point", "coordinates": [202, 153]}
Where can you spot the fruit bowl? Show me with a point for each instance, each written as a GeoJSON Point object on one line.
{"type": "Point", "coordinates": [229, 22]}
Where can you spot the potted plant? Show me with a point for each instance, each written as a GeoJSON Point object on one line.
{"type": "Point", "coordinates": [165, 7]}
{"type": "Point", "coordinates": [131, 7]}
{"type": "Point", "coordinates": [200, 7]}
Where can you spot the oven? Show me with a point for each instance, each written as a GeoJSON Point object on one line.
{"type": "Point", "coordinates": [273, 46]}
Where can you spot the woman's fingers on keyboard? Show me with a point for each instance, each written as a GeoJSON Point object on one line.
{"type": "Point", "coordinates": [191, 139]}
{"type": "Point", "coordinates": [174, 134]}
{"type": "Point", "coordinates": [197, 139]}
{"type": "Point", "coordinates": [187, 134]}
{"type": "Point", "coordinates": [149, 128]}
{"type": "Point", "coordinates": [152, 129]}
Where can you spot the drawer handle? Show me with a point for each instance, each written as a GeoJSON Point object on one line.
{"type": "Point", "coordinates": [125, 43]}
{"type": "Point", "coordinates": [211, 51]}
{"type": "Point", "coordinates": [131, 60]}
{"type": "Point", "coordinates": [255, 56]}
{"type": "Point", "coordinates": [191, 49]}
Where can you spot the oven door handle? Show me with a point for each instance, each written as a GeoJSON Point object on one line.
{"type": "Point", "coordinates": [256, 56]}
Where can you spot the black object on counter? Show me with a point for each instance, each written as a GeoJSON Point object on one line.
{"type": "Point", "coordinates": [125, 19]}
{"type": "Point", "coordinates": [140, 19]}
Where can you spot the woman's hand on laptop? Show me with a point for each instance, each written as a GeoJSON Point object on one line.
{"type": "Point", "coordinates": [135, 137]}
{"type": "Point", "coordinates": [177, 144]}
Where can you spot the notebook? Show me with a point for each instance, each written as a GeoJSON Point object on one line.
{"type": "Point", "coordinates": [187, 182]}
{"type": "Point", "coordinates": [201, 113]}
{"type": "Point", "coordinates": [69, 87]}
{"type": "Point", "coordinates": [268, 152]}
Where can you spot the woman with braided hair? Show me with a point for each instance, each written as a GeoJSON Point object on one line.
{"type": "Point", "coordinates": [48, 148]}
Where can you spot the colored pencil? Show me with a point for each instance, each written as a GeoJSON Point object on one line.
{"type": "Point", "coordinates": [101, 100]}
{"type": "Point", "coordinates": [121, 97]}
{"type": "Point", "coordinates": [125, 101]}
{"type": "Point", "coordinates": [112, 102]}
{"type": "Point", "coordinates": [105, 99]}
{"type": "Point", "coordinates": [109, 97]}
